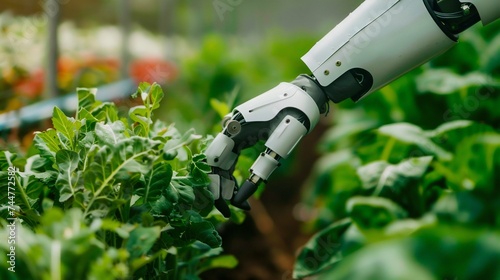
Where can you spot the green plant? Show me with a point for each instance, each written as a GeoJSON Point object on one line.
{"type": "Point", "coordinates": [101, 196]}
{"type": "Point", "coordinates": [426, 195]}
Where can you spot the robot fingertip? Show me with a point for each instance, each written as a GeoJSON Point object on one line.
{"type": "Point", "coordinates": [242, 205]}
{"type": "Point", "coordinates": [223, 208]}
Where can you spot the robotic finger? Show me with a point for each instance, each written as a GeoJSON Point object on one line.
{"type": "Point", "coordinates": [279, 145]}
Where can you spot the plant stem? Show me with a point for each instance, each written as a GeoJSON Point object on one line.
{"type": "Point", "coordinates": [108, 179]}
{"type": "Point", "coordinates": [55, 260]}
{"type": "Point", "coordinates": [24, 196]}
{"type": "Point", "coordinates": [386, 153]}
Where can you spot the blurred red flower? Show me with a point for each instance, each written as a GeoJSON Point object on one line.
{"type": "Point", "coordinates": [31, 86]}
{"type": "Point", "coordinates": [152, 70]}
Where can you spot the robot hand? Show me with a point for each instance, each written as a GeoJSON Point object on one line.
{"type": "Point", "coordinates": [280, 117]}
{"type": "Point", "coordinates": [378, 42]}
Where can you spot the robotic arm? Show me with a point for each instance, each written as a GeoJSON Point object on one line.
{"type": "Point", "coordinates": [378, 42]}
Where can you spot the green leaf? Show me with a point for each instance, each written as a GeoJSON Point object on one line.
{"type": "Point", "coordinates": [86, 99]}
{"type": "Point", "coordinates": [162, 206]}
{"type": "Point", "coordinates": [434, 253]}
{"type": "Point", "coordinates": [155, 95]}
{"type": "Point", "coordinates": [337, 171]}
{"type": "Point", "coordinates": [349, 126]}
{"type": "Point", "coordinates": [140, 114]}
{"type": "Point", "coordinates": [34, 189]}
{"type": "Point", "coordinates": [187, 227]}
{"type": "Point", "coordinates": [378, 262]}
{"type": "Point", "coordinates": [151, 96]}
{"type": "Point", "coordinates": [24, 186]}
{"type": "Point", "coordinates": [226, 261]}
{"type": "Point", "coordinates": [62, 225]}
{"type": "Point", "coordinates": [450, 135]}
{"type": "Point", "coordinates": [444, 81]}
{"type": "Point", "coordinates": [64, 125]}
{"type": "Point", "coordinates": [204, 201]}
{"type": "Point", "coordinates": [461, 207]}
{"type": "Point", "coordinates": [47, 143]}
{"type": "Point", "coordinates": [114, 226]}
{"type": "Point", "coordinates": [6, 158]}
{"type": "Point", "coordinates": [468, 252]}
{"type": "Point", "coordinates": [87, 144]}
{"type": "Point", "coordinates": [61, 245]}
{"type": "Point", "coordinates": [105, 112]}
{"type": "Point", "coordinates": [205, 232]}
{"type": "Point", "coordinates": [199, 171]}
{"type": "Point", "coordinates": [174, 147]}
{"type": "Point", "coordinates": [87, 120]}
{"type": "Point", "coordinates": [141, 240]}
{"type": "Point", "coordinates": [374, 212]}
{"type": "Point", "coordinates": [322, 251]}
{"type": "Point", "coordinates": [110, 134]}
{"type": "Point", "coordinates": [177, 191]}
{"type": "Point", "coordinates": [112, 167]}
{"type": "Point", "coordinates": [379, 175]}
{"type": "Point", "coordinates": [412, 134]}
{"type": "Point", "coordinates": [85, 114]}
{"type": "Point", "coordinates": [68, 180]}
{"type": "Point", "coordinates": [400, 182]}
{"type": "Point", "coordinates": [477, 164]}
{"type": "Point", "coordinates": [221, 108]}
{"type": "Point", "coordinates": [156, 181]}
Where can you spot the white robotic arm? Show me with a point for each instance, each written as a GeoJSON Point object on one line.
{"type": "Point", "coordinates": [383, 39]}
{"type": "Point", "coordinates": [378, 42]}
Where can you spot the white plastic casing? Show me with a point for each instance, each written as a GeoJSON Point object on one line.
{"type": "Point", "coordinates": [220, 153]}
{"type": "Point", "coordinates": [286, 136]}
{"type": "Point", "coordinates": [286, 95]}
{"type": "Point", "coordinates": [220, 186]}
{"type": "Point", "coordinates": [385, 37]}
{"type": "Point", "coordinates": [489, 10]}
{"type": "Point", "coordinates": [282, 141]}
{"type": "Point", "coordinates": [264, 166]}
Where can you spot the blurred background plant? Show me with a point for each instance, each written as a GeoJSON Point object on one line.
{"type": "Point", "coordinates": [407, 184]}
{"type": "Point", "coordinates": [209, 59]}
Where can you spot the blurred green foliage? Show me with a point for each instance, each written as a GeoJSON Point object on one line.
{"type": "Point", "coordinates": [408, 184]}
{"type": "Point", "coordinates": [229, 71]}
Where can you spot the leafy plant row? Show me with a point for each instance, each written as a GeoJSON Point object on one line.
{"type": "Point", "coordinates": [430, 205]}
{"type": "Point", "coordinates": [101, 196]}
